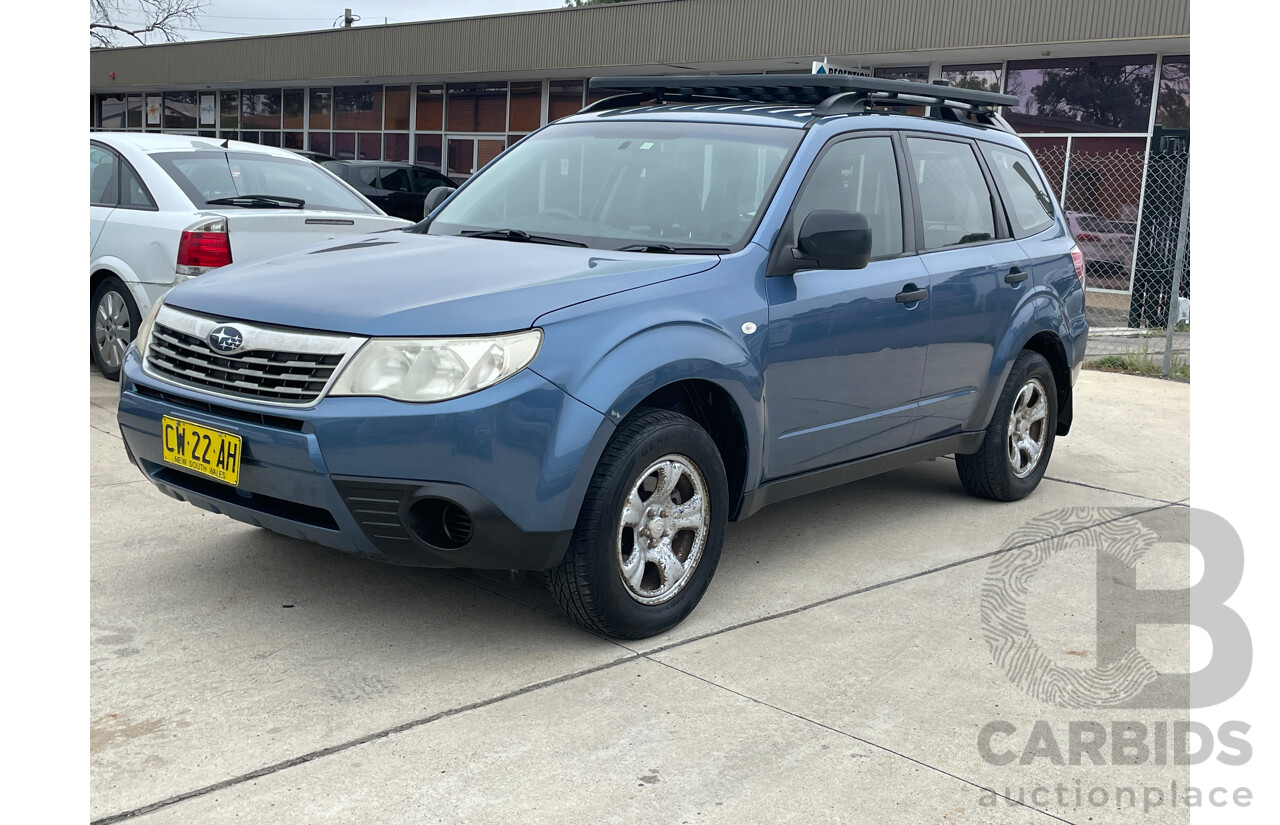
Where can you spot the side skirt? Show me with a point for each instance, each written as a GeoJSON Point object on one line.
{"type": "Point", "coordinates": [811, 482]}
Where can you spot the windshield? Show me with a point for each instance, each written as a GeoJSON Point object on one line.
{"type": "Point", "coordinates": [628, 184]}
{"type": "Point", "coordinates": [206, 177]}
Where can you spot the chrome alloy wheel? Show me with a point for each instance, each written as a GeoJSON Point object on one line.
{"type": "Point", "coordinates": [1028, 428]}
{"type": "Point", "coordinates": [112, 330]}
{"type": "Point", "coordinates": [665, 521]}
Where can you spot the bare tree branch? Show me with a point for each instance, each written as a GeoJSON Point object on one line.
{"type": "Point", "coordinates": [141, 20]}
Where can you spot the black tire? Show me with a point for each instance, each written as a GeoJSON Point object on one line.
{"type": "Point", "coordinates": [589, 583]}
{"type": "Point", "coordinates": [989, 473]}
{"type": "Point", "coordinates": [107, 346]}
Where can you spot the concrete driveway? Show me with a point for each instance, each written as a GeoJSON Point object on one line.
{"type": "Point", "coordinates": [836, 671]}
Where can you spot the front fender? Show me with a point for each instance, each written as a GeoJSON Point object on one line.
{"type": "Point", "coordinates": [615, 383]}
{"type": "Point", "coordinates": [613, 352]}
{"type": "Point", "coordinates": [1042, 312]}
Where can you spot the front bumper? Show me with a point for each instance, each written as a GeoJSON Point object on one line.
{"type": "Point", "coordinates": [384, 479]}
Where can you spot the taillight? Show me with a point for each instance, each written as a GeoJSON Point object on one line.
{"type": "Point", "coordinates": [1077, 260]}
{"type": "Point", "coordinates": [204, 246]}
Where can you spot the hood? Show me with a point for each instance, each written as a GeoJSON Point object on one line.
{"type": "Point", "coordinates": [404, 284]}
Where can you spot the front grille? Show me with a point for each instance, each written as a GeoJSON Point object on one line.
{"type": "Point", "coordinates": [261, 375]}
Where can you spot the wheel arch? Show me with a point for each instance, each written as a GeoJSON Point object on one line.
{"type": "Point", "coordinates": [103, 269]}
{"type": "Point", "coordinates": [714, 409]}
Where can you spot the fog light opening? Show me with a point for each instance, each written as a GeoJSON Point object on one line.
{"type": "Point", "coordinates": [441, 523]}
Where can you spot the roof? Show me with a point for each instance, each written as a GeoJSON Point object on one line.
{"type": "Point", "coordinates": [654, 37]}
{"type": "Point", "coordinates": [148, 142]}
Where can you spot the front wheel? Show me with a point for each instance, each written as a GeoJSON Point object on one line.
{"type": "Point", "coordinates": [1019, 440]}
{"type": "Point", "coordinates": [649, 534]}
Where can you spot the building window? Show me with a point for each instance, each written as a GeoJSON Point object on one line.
{"type": "Point", "coordinates": [229, 110]}
{"type": "Point", "coordinates": [917, 74]}
{"type": "Point", "coordinates": [526, 106]}
{"type": "Point", "coordinates": [319, 142]}
{"type": "Point", "coordinates": [429, 149]}
{"type": "Point", "coordinates": [133, 112]}
{"type": "Point", "coordinates": [1173, 109]}
{"type": "Point", "coordinates": [181, 110]}
{"type": "Point", "coordinates": [980, 77]}
{"type": "Point", "coordinates": [111, 111]}
{"type": "Point", "coordinates": [396, 114]}
{"type": "Point", "coordinates": [321, 109]}
{"type": "Point", "coordinates": [565, 98]}
{"type": "Point", "coordinates": [357, 108]}
{"type": "Point", "coordinates": [430, 108]}
{"type": "Point", "coordinates": [260, 109]}
{"type": "Point", "coordinates": [293, 106]}
{"type": "Point", "coordinates": [1095, 94]}
{"type": "Point", "coordinates": [395, 146]}
{"type": "Point", "coordinates": [477, 107]}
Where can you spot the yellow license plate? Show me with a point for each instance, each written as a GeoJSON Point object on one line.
{"type": "Point", "coordinates": [203, 450]}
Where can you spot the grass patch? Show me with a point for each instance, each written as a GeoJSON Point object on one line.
{"type": "Point", "coordinates": [1141, 363]}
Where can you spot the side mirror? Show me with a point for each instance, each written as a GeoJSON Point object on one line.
{"type": "Point", "coordinates": [434, 198]}
{"type": "Point", "coordinates": [833, 239]}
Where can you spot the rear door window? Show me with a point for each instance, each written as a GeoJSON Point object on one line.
{"type": "Point", "coordinates": [103, 176]}
{"type": "Point", "coordinates": [395, 179]}
{"type": "Point", "coordinates": [424, 181]}
{"type": "Point", "coordinates": [955, 203]}
{"type": "Point", "coordinates": [1026, 199]}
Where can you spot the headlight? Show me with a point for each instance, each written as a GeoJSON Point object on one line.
{"type": "Point", "coordinates": [144, 329]}
{"type": "Point", "coordinates": [433, 369]}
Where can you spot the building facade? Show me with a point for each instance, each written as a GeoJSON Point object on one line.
{"type": "Point", "coordinates": [1103, 85]}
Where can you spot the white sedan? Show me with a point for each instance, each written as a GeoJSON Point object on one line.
{"type": "Point", "coordinates": [165, 208]}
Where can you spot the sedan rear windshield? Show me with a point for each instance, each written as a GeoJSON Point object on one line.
{"type": "Point", "coordinates": [645, 185]}
{"type": "Point", "coordinates": [214, 176]}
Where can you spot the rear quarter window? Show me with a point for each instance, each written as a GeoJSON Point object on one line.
{"type": "Point", "coordinates": [1027, 202]}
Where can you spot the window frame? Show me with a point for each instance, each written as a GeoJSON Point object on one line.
{"type": "Point", "coordinates": [781, 264]}
{"type": "Point", "coordinates": [999, 222]}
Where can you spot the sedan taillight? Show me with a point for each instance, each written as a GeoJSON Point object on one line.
{"type": "Point", "coordinates": [204, 246]}
{"type": "Point", "coordinates": [1077, 260]}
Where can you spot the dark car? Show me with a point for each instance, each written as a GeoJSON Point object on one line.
{"type": "Point", "coordinates": [398, 189]}
{"type": "Point", "coordinates": [318, 157]}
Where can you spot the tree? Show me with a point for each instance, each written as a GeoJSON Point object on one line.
{"type": "Point", "coordinates": [1117, 97]}
{"type": "Point", "coordinates": [111, 21]}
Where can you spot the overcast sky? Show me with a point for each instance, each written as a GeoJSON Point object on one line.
{"type": "Point", "coordinates": [235, 18]}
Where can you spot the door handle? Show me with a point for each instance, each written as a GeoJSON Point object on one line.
{"type": "Point", "coordinates": [1015, 276]}
{"type": "Point", "coordinates": [910, 294]}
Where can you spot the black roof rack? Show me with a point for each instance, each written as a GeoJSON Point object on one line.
{"type": "Point", "coordinates": [828, 94]}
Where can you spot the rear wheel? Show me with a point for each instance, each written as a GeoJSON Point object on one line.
{"type": "Point", "coordinates": [649, 535]}
{"type": "Point", "coordinates": [113, 321]}
{"type": "Point", "coordinates": [1019, 440]}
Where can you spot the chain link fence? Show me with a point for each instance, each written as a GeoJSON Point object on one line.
{"type": "Point", "coordinates": [1129, 210]}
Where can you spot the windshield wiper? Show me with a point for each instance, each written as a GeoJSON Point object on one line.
{"type": "Point", "coordinates": [259, 201]}
{"type": "Point", "coordinates": [677, 250]}
{"type": "Point", "coordinates": [519, 236]}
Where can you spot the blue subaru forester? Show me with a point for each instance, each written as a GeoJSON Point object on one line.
{"type": "Point", "coordinates": [690, 300]}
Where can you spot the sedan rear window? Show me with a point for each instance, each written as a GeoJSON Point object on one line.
{"type": "Point", "coordinates": [213, 176]}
